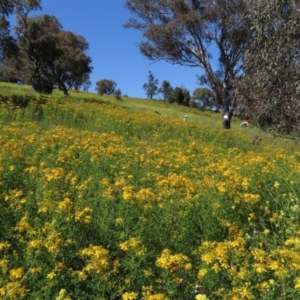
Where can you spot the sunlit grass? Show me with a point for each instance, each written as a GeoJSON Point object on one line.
{"type": "Point", "coordinates": [106, 199]}
{"type": "Point", "coordinates": [147, 106]}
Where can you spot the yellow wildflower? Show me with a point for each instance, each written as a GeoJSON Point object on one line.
{"type": "Point", "coordinates": [128, 192]}
{"type": "Point", "coordinates": [201, 273]}
{"type": "Point", "coordinates": [4, 245]}
{"type": "Point", "coordinates": [147, 272]}
{"type": "Point", "coordinates": [273, 265]}
{"type": "Point", "coordinates": [65, 205]}
{"type": "Point", "coordinates": [129, 296]}
{"type": "Point", "coordinates": [51, 275]}
{"type": "Point", "coordinates": [61, 295]}
{"type": "Point", "coordinates": [297, 283]}
{"type": "Point", "coordinates": [84, 215]}
{"type": "Point", "coordinates": [259, 268]}
{"type": "Point", "coordinates": [133, 244]}
{"type": "Point", "coordinates": [263, 285]}
{"type": "Point", "coordinates": [119, 220]}
{"type": "Point", "coordinates": [155, 297]}
{"type": "Point", "coordinates": [292, 241]}
{"type": "Point", "coordinates": [221, 186]}
{"type": "Point", "coordinates": [188, 266]}
{"type": "Point", "coordinates": [53, 242]}
{"type": "Point", "coordinates": [34, 244]}
{"type": "Point", "coordinates": [16, 274]}
{"type": "Point", "coordinates": [207, 257]}
{"type": "Point", "coordinates": [171, 262]}
{"type": "Point", "coordinates": [276, 184]}
{"type": "Point", "coordinates": [124, 246]}
{"type": "Point", "coordinates": [201, 297]}
{"type": "Point", "coordinates": [3, 265]}
{"type": "Point", "coordinates": [37, 270]}
{"type": "Point", "coordinates": [104, 182]}
{"type": "Point", "coordinates": [98, 258]}
{"type": "Point", "coordinates": [116, 265]}
{"type": "Point", "coordinates": [82, 275]}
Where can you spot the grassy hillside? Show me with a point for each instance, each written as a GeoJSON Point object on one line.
{"type": "Point", "coordinates": [105, 199]}
{"type": "Point", "coordinates": [165, 109]}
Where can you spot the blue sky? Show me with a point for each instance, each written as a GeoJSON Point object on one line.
{"type": "Point", "coordinates": [115, 50]}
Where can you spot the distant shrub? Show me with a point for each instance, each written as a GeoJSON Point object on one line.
{"type": "Point", "coordinates": [106, 86]}
{"type": "Point", "coordinates": [118, 94]}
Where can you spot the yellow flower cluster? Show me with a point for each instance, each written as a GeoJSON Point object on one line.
{"type": "Point", "coordinates": [98, 258]}
{"type": "Point", "coordinates": [172, 262]}
{"type": "Point", "coordinates": [133, 244]}
{"type": "Point", "coordinates": [109, 202]}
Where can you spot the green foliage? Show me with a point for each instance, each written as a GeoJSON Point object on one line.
{"type": "Point", "coordinates": [14, 101]}
{"type": "Point", "coordinates": [269, 92]}
{"type": "Point", "coordinates": [166, 90]}
{"type": "Point", "coordinates": [43, 55]}
{"type": "Point", "coordinates": [109, 202]}
{"type": "Point", "coordinates": [204, 98]}
{"type": "Point", "coordinates": [182, 32]}
{"type": "Point", "coordinates": [106, 86]}
{"type": "Point", "coordinates": [151, 87]}
{"type": "Point", "coordinates": [5, 39]}
{"type": "Point", "coordinates": [74, 66]}
{"type": "Point", "coordinates": [7, 42]}
{"type": "Point", "coordinates": [180, 96]}
{"type": "Point", "coordinates": [118, 94]}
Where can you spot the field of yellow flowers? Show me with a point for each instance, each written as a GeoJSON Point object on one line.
{"type": "Point", "coordinates": [104, 203]}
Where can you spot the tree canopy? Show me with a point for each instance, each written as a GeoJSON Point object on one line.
{"type": "Point", "coordinates": [106, 86]}
{"type": "Point", "coordinates": [180, 95]}
{"type": "Point", "coordinates": [38, 50]}
{"type": "Point", "coordinates": [204, 98]}
{"type": "Point", "coordinates": [165, 89]}
{"type": "Point", "coordinates": [74, 66]}
{"type": "Point", "coordinates": [44, 55]}
{"type": "Point", "coordinates": [151, 87]}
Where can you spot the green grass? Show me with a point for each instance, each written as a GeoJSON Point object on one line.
{"type": "Point", "coordinates": [105, 199]}
{"type": "Point", "coordinates": [203, 118]}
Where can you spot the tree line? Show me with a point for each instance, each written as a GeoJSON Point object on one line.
{"type": "Point", "coordinates": [202, 97]}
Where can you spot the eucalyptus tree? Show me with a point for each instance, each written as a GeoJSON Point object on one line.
{"type": "Point", "coordinates": [184, 31]}
{"type": "Point", "coordinates": [270, 91]}
{"type": "Point", "coordinates": [180, 95]}
{"type": "Point", "coordinates": [73, 66]}
{"type": "Point", "coordinates": [166, 90]}
{"type": "Point", "coordinates": [38, 47]}
{"type": "Point", "coordinates": [46, 55]}
{"type": "Point", "coordinates": [106, 86]}
{"type": "Point", "coordinates": [151, 87]}
{"type": "Point", "coordinates": [204, 98]}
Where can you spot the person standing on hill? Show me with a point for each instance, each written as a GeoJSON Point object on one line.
{"type": "Point", "coordinates": [225, 111]}
{"type": "Point", "coordinates": [227, 118]}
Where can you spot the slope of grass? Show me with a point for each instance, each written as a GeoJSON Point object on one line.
{"type": "Point", "coordinates": [147, 106]}
{"type": "Point", "coordinates": [105, 199]}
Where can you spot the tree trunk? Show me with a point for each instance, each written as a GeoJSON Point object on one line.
{"type": "Point", "coordinates": [63, 87]}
